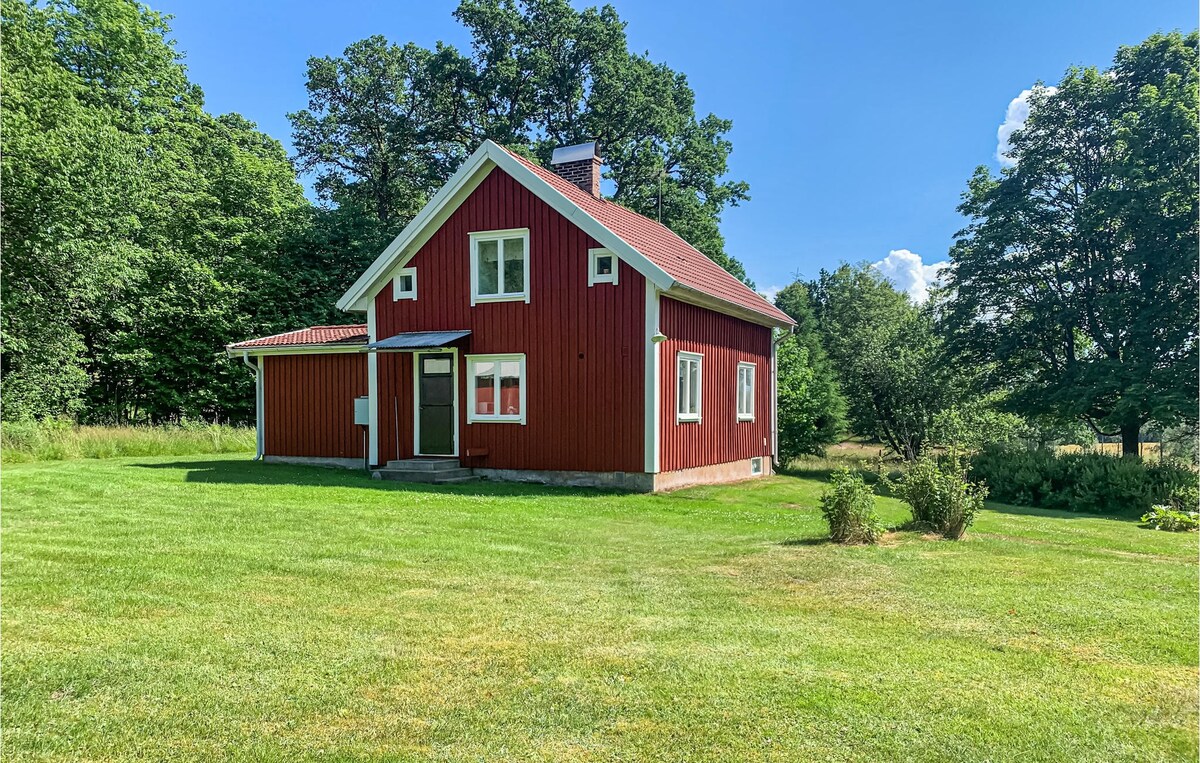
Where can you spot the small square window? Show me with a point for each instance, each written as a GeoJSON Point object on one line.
{"type": "Point", "coordinates": [404, 284]}
{"type": "Point", "coordinates": [602, 267]}
{"type": "Point", "coordinates": [756, 465]}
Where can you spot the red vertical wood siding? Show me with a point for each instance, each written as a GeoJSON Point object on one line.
{"type": "Point", "coordinates": [309, 401]}
{"type": "Point", "coordinates": [724, 342]}
{"type": "Point", "coordinates": [583, 345]}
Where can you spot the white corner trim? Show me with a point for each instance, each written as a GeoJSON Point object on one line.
{"type": "Point", "coordinates": [594, 277]}
{"type": "Point", "coordinates": [259, 401]}
{"type": "Point", "coordinates": [475, 418]}
{"type": "Point", "coordinates": [372, 390]}
{"type": "Point", "coordinates": [698, 416]}
{"type": "Point", "coordinates": [397, 293]}
{"type": "Point", "coordinates": [653, 389]}
{"type": "Point", "coordinates": [475, 238]}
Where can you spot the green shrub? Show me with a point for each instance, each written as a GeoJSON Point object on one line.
{"type": "Point", "coordinates": [941, 497]}
{"type": "Point", "coordinates": [1186, 498]}
{"type": "Point", "coordinates": [848, 505]}
{"type": "Point", "coordinates": [1083, 482]}
{"type": "Point", "coordinates": [54, 440]}
{"type": "Point", "coordinates": [1172, 520]}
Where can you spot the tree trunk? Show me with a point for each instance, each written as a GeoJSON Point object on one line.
{"type": "Point", "coordinates": [1129, 439]}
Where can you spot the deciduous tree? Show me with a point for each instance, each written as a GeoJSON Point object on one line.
{"type": "Point", "coordinates": [1078, 268]}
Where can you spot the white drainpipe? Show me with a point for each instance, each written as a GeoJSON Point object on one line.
{"type": "Point", "coordinates": [259, 416]}
{"type": "Point", "coordinates": [775, 400]}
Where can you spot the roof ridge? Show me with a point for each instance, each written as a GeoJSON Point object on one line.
{"type": "Point", "coordinates": [649, 237]}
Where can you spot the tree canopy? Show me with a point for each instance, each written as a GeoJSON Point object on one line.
{"type": "Point", "coordinates": [1078, 268]}
{"type": "Point", "coordinates": [386, 124]}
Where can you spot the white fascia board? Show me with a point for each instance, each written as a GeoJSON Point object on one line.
{"type": "Point", "coordinates": [455, 191]}
{"type": "Point", "coordinates": [703, 299]}
{"type": "Point", "coordinates": [579, 217]}
{"type": "Point", "coordinates": [295, 349]}
{"type": "Point", "coordinates": [364, 288]}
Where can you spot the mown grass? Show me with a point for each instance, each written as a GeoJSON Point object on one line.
{"type": "Point", "coordinates": [218, 609]}
{"type": "Point", "coordinates": [24, 441]}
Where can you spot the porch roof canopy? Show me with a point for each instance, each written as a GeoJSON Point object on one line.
{"type": "Point", "coordinates": [416, 340]}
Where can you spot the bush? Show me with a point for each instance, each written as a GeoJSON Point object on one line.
{"type": "Point", "coordinates": [940, 496]}
{"type": "Point", "coordinates": [1083, 482]}
{"type": "Point", "coordinates": [1172, 520]}
{"type": "Point", "coordinates": [56, 440]}
{"type": "Point", "coordinates": [848, 505]}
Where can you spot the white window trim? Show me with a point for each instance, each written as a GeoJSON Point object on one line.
{"type": "Point", "coordinates": [496, 235]}
{"type": "Point", "coordinates": [594, 277]}
{"type": "Point", "coordinates": [397, 294]}
{"type": "Point", "coordinates": [478, 418]}
{"type": "Point", "coordinates": [756, 465]}
{"type": "Point", "coordinates": [699, 358]}
{"type": "Point", "coordinates": [737, 391]}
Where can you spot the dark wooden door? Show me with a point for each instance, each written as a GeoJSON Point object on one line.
{"type": "Point", "coordinates": [435, 405]}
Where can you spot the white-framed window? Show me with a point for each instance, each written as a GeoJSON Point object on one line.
{"type": "Point", "coordinates": [602, 267]}
{"type": "Point", "coordinates": [404, 284]}
{"type": "Point", "coordinates": [756, 465]}
{"type": "Point", "coordinates": [687, 385]}
{"type": "Point", "coordinates": [500, 266]}
{"type": "Point", "coordinates": [496, 388]}
{"type": "Point", "coordinates": [745, 391]}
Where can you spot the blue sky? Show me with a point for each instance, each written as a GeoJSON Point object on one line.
{"type": "Point", "coordinates": [857, 124]}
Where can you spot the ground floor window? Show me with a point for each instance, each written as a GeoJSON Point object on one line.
{"type": "Point", "coordinates": [687, 398]}
{"type": "Point", "coordinates": [496, 388]}
{"type": "Point", "coordinates": [745, 392]}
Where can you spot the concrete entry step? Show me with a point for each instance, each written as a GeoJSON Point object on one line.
{"type": "Point", "coordinates": [427, 464]}
{"type": "Point", "coordinates": [432, 476]}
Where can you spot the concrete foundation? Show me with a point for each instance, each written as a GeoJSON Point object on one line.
{"type": "Point", "coordinates": [635, 481]}
{"type": "Point", "coordinates": [337, 463]}
{"type": "Point", "coordinates": [731, 471]}
{"type": "Point", "coordinates": [639, 482]}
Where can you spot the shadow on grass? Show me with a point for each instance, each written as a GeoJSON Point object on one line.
{"type": "Point", "coordinates": [238, 472]}
{"type": "Point", "coordinates": [1033, 511]}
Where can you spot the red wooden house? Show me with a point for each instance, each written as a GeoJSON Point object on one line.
{"type": "Point", "coordinates": [525, 328]}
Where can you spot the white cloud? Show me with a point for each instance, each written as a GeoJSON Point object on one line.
{"type": "Point", "coordinates": [909, 274]}
{"type": "Point", "coordinates": [1014, 119]}
{"type": "Point", "coordinates": [770, 293]}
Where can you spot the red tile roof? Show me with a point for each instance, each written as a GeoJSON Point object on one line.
{"type": "Point", "coordinates": [659, 244]}
{"type": "Point", "coordinates": [315, 335]}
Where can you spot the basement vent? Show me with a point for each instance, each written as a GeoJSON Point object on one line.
{"type": "Point", "coordinates": [756, 465]}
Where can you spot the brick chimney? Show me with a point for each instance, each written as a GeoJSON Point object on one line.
{"type": "Point", "coordinates": [580, 165]}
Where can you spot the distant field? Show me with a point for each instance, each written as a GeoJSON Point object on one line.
{"type": "Point", "coordinates": [1145, 449]}
{"type": "Point", "coordinates": [210, 608]}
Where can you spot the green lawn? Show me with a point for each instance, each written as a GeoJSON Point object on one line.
{"type": "Point", "coordinates": [207, 608]}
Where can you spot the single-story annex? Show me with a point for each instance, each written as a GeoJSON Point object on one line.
{"type": "Point", "coordinates": [522, 327]}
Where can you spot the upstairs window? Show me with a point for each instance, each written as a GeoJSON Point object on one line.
{"type": "Point", "coordinates": [745, 391]}
{"type": "Point", "coordinates": [496, 388]}
{"type": "Point", "coordinates": [602, 267]}
{"type": "Point", "coordinates": [500, 266]}
{"type": "Point", "coordinates": [687, 397]}
{"type": "Point", "coordinates": [404, 285]}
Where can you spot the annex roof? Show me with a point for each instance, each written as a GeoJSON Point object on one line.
{"type": "Point", "coordinates": [333, 337]}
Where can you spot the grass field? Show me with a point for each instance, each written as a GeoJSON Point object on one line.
{"type": "Point", "coordinates": [210, 608]}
